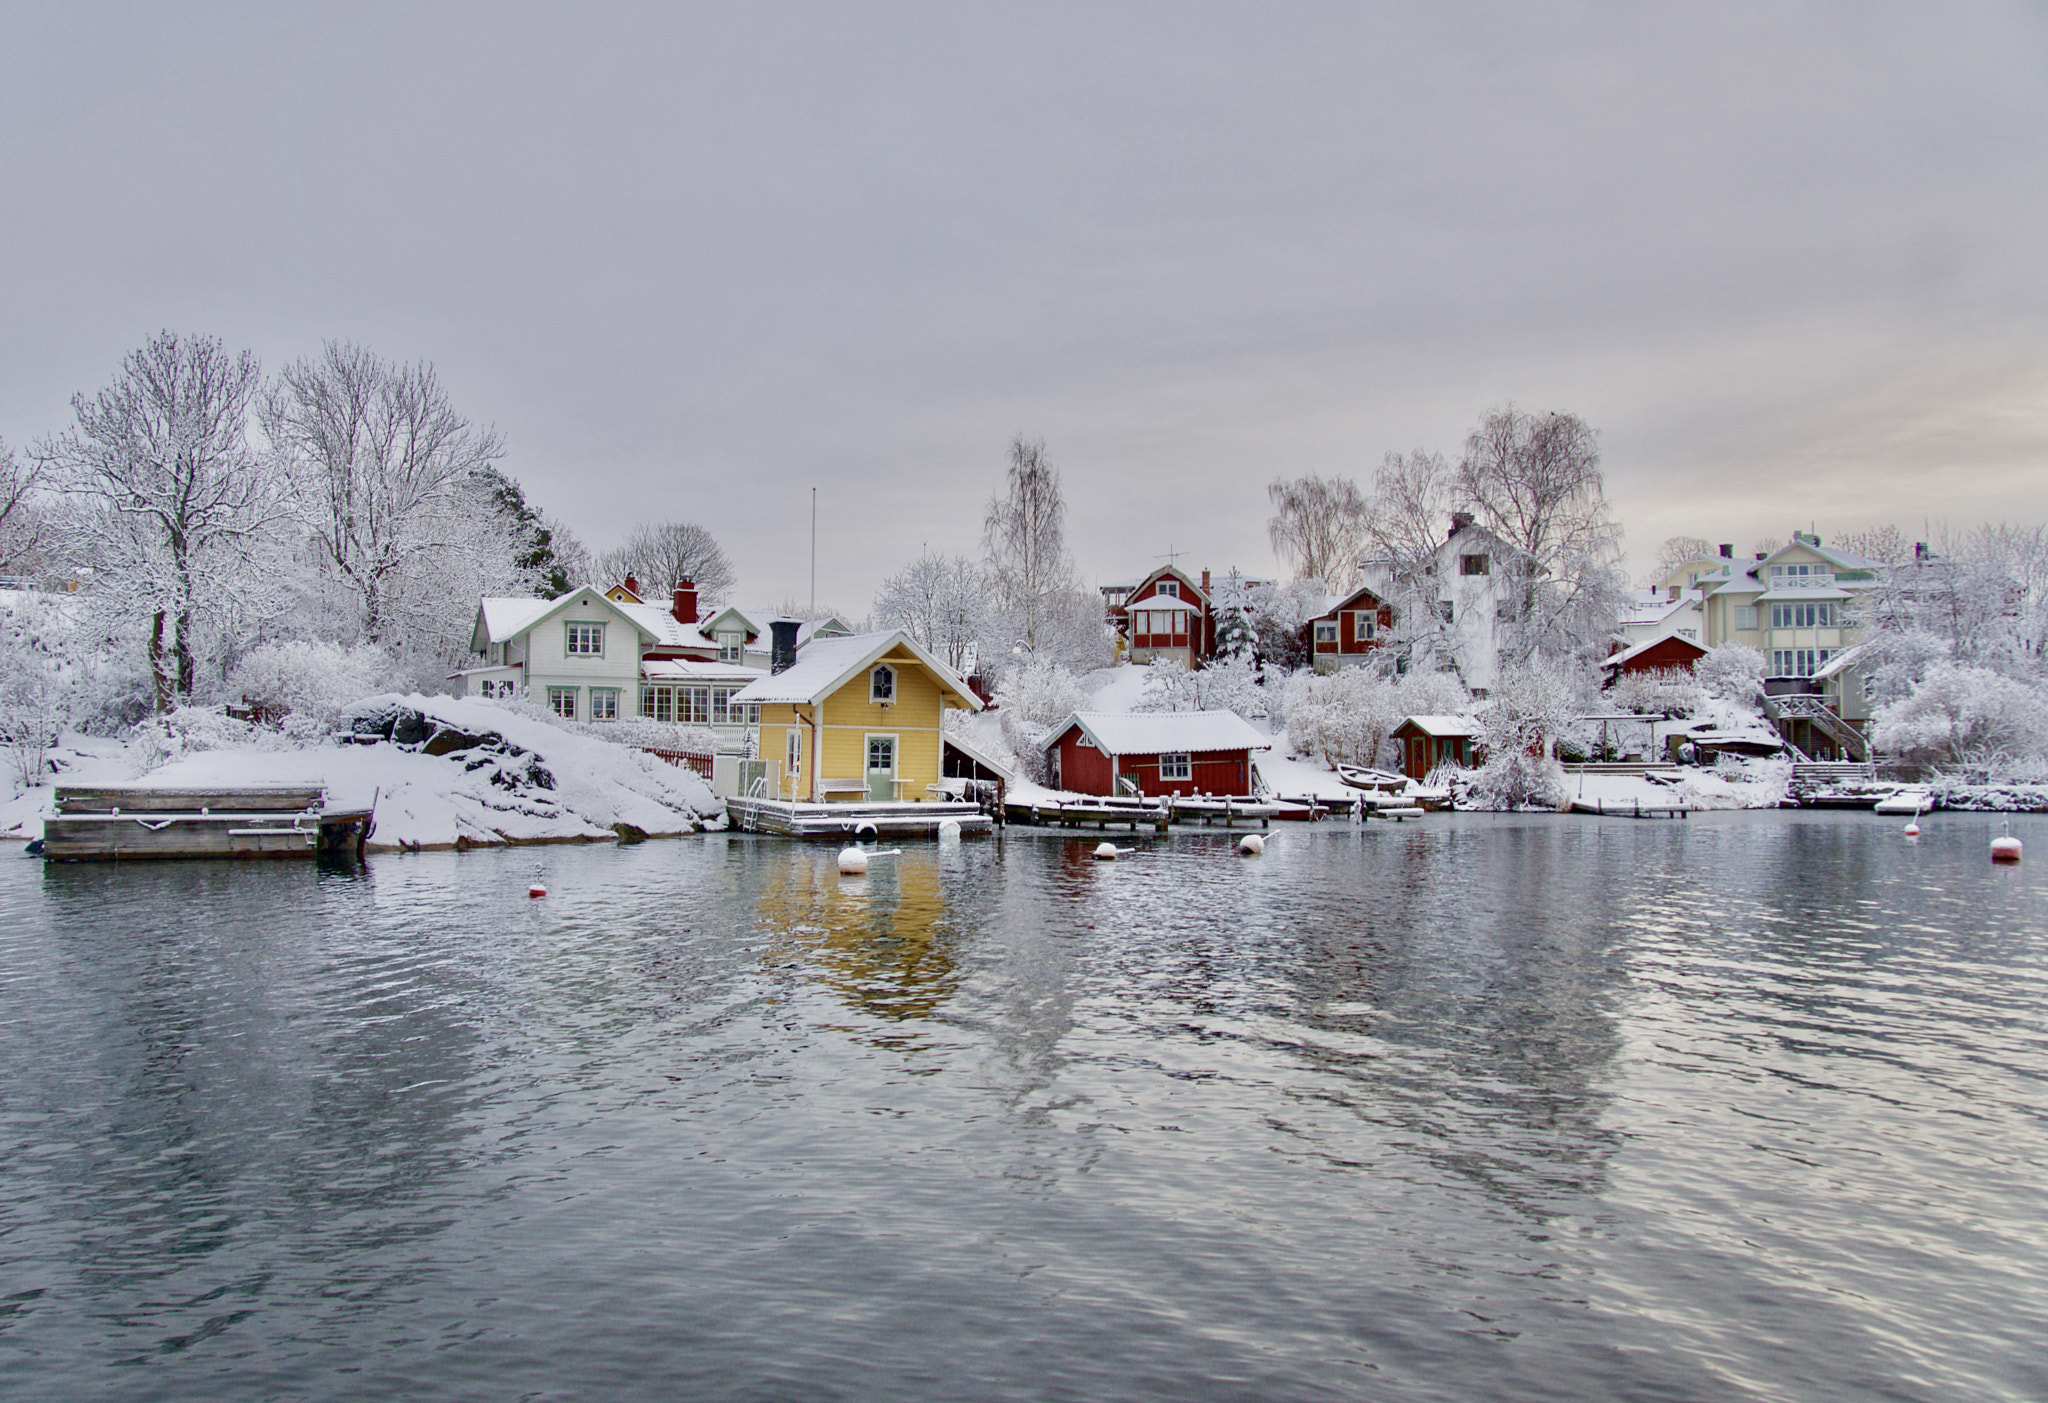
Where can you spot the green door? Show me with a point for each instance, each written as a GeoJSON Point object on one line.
{"type": "Point", "coordinates": [881, 767]}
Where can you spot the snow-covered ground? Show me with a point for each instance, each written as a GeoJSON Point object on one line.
{"type": "Point", "coordinates": [505, 778]}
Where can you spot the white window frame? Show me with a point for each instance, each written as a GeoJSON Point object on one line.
{"type": "Point", "coordinates": [882, 685]}
{"type": "Point", "coordinates": [1365, 626]}
{"type": "Point", "coordinates": [1746, 618]}
{"type": "Point", "coordinates": [590, 645]}
{"type": "Point", "coordinates": [1177, 766]}
{"type": "Point", "coordinates": [793, 752]}
{"type": "Point", "coordinates": [732, 645]}
{"type": "Point", "coordinates": [560, 696]}
{"type": "Point", "coordinates": [604, 703]}
{"type": "Point", "coordinates": [1169, 588]}
{"type": "Point", "coordinates": [1326, 630]}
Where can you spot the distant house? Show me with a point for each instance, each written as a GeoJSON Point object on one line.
{"type": "Point", "coordinates": [1795, 604]}
{"type": "Point", "coordinates": [1188, 752]}
{"type": "Point", "coordinates": [855, 716]}
{"type": "Point", "coordinates": [1429, 741]}
{"type": "Point", "coordinates": [1168, 614]}
{"type": "Point", "coordinates": [606, 656]}
{"type": "Point", "coordinates": [1466, 588]}
{"type": "Point", "coordinates": [1660, 654]}
{"type": "Point", "coordinates": [1350, 631]}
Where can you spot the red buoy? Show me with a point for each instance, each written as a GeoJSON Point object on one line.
{"type": "Point", "coordinates": [536, 890]}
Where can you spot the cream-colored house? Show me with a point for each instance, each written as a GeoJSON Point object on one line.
{"type": "Point", "coordinates": [856, 717]}
{"type": "Point", "coordinates": [1795, 605]}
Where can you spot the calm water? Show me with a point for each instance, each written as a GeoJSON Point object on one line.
{"type": "Point", "coordinates": [1472, 1108]}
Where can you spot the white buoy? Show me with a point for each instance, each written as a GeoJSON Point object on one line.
{"type": "Point", "coordinates": [1110, 852]}
{"type": "Point", "coordinates": [1252, 844]}
{"type": "Point", "coordinates": [1912, 830]}
{"type": "Point", "coordinates": [949, 830]}
{"type": "Point", "coordinates": [2005, 847]}
{"type": "Point", "coordinates": [853, 862]}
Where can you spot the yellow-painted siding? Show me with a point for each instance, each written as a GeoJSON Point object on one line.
{"type": "Point", "coordinates": [850, 718]}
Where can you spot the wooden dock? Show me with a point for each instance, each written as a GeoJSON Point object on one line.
{"type": "Point", "coordinates": [848, 820]}
{"type": "Point", "coordinates": [1632, 809]}
{"type": "Point", "coordinates": [1103, 813]}
{"type": "Point", "coordinates": [122, 823]}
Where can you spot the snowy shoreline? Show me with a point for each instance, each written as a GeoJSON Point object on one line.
{"type": "Point", "coordinates": [462, 773]}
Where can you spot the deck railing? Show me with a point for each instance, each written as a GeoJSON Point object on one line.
{"type": "Point", "coordinates": [697, 760]}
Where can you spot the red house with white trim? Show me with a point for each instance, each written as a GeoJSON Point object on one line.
{"type": "Point", "coordinates": [1350, 631]}
{"type": "Point", "coordinates": [1158, 752]}
{"type": "Point", "coordinates": [1659, 654]}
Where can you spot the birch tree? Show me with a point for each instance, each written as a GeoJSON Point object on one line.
{"type": "Point", "coordinates": [1025, 537]}
{"type": "Point", "coordinates": [663, 554]}
{"type": "Point", "coordinates": [176, 508]}
{"type": "Point", "coordinates": [1413, 495]}
{"type": "Point", "coordinates": [21, 520]}
{"type": "Point", "coordinates": [941, 602]}
{"type": "Point", "coordinates": [1319, 524]}
{"type": "Point", "coordinates": [384, 469]}
{"type": "Point", "coordinates": [1534, 481]}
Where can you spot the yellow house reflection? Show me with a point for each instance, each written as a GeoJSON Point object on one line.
{"type": "Point", "coordinates": [879, 943]}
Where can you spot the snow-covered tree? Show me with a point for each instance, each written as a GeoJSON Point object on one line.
{"type": "Point", "coordinates": [385, 473]}
{"type": "Point", "coordinates": [1734, 672]}
{"type": "Point", "coordinates": [1225, 684]}
{"type": "Point", "coordinates": [1534, 481]}
{"type": "Point", "coordinates": [1664, 691]}
{"type": "Point", "coordinates": [1534, 707]}
{"type": "Point", "coordinates": [1040, 610]}
{"type": "Point", "coordinates": [313, 680]}
{"type": "Point", "coordinates": [36, 680]}
{"type": "Point", "coordinates": [22, 521]}
{"type": "Point", "coordinates": [544, 548]}
{"type": "Point", "coordinates": [1236, 635]}
{"type": "Point", "coordinates": [1279, 617]}
{"type": "Point", "coordinates": [1962, 715]}
{"type": "Point", "coordinates": [1319, 524]}
{"type": "Point", "coordinates": [1677, 551]}
{"type": "Point", "coordinates": [174, 508]}
{"type": "Point", "coordinates": [940, 601]}
{"type": "Point", "coordinates": [663, 554]}
{"type": "Point", "coordinates": [1033, 698]}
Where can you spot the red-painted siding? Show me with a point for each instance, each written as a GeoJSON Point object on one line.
{"type": "Point", "coordinates": [1083, 768]}
{"type": "Point", "coordinates": [1672, 651]}
{"type": "Point", "coordinates": [1086, 770]}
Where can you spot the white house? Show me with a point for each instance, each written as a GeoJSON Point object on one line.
{"type": "Point", "coordinates": [1462, 587]}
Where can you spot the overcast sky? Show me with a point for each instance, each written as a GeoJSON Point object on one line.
{"type": "Point", "coordinates": [1792, 262]}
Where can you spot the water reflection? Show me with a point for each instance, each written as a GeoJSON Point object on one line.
{"type": "Point", "coordinates": [881, 944]}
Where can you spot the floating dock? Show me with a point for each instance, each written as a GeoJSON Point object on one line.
{"type": "Point", "coordinates": [1630, 809]}
{"type": "Point", "coordinates": [844, 820]}
{"type": "Point", "coordinates": [1157, 814]}
{"type": "Point", "coordinates": [120, 824]}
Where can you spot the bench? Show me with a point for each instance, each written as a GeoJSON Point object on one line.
{"type": "Point", "coordinates": [829, 787]}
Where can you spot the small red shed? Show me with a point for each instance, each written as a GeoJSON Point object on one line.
{"type": "Point", "coordinates": [1429, 741]}
{"type": "Point", "coordinates": [1154, 752]}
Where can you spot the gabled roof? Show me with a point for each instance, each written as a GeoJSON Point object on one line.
{"type": "Point", "coordinates": [500, 619]}
{"type": "Point", "coordinates": [1779, 593]}
{"type": "Point", "coordinates": [1841, 559]}
{"type": "Point", "coordinates": [1628, 655]}
{"type": "Point", "coordinates": [1164, 601]}
{"type": "Point", "coordinates": [665, 628]}
{"type": "Point", "coordinates": [1335, 602]}
{"type": "Point", "coordinates": [1163, 732]}
{"type": "Point", "coordinates": [827, 664]}
{"type": "Point", "coordinates": [1188, 582]}
{"type": "Point", "coordinates": [1442, 727]}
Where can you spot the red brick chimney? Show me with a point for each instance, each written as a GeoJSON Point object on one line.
{"type": "Point", "coordinates": [1205, 582]}
{"type": "Point", "coordinates": [685, 606]}
{"type": "Point", "coordinates": [632, 584]}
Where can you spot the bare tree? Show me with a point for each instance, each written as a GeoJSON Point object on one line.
{"type": "Point", "coordinates": [381, 462]}
{"type": "Point", "coordinates": [21, 520]}
{"type": "Point", "coordinates": [1886, 543]}
{"type": "Point", "coordinates": [177, 506]}
{"type": "Point", "coordinates": [1534, 481]}
{"type": "Point", "coordinates": [663, 554]}
{"type": "Point", "coordinates": [1024, 534]}
{"type": "Point", "coordinates": [1677, 551]}
{"type": "Point", "coordinates": [1321, 525]}
{"type": "Point", "coordinates": [1412, 499]}
{"type": "Point", "coordinates": [941, 602]}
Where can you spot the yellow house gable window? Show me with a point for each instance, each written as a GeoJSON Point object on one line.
{"type": "Point", "coordinates": [882, 685]}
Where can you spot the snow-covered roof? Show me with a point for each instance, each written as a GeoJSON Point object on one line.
{"type": "Point", "coordinates": [1163, 601]}
{"type": "Point", "coordinates": [1801, 592]}
{"type": "Point", "coordinates": [827, 664]}
{"type": "Point", "coordinates": [507, 618]}
{"type": "Point", "coordinates": [1842, 662]}
{"type": "Point", "coordinates": [1163, 732]}
{"type": "Point", "coordinates": [1444, 726]}
{"type": "Point", "coordinates": [1628, 655]}
{"type": "Point", "coordinates": [690, 670]}
{"type": "Point", "coordinates": [667, 629]}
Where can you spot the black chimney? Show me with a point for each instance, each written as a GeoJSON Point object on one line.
{"type": "Point", "coordinates": [1459, 521]}
{"type": "Point", "coordinates": [1727, 552]}
{"type": "Point", "coordinates": [782, 656]}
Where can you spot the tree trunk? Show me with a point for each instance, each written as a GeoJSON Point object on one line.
{"type": "Point", "coordinates": [183, 651]}
{"type": "Point", "coordinates": [157, 674]}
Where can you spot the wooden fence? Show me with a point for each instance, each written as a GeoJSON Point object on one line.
{"type": "Point", "coordinates": [697, 760]}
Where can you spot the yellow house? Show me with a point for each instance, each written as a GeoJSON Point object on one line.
{"type": "Point", "coordinates": [859, 717]}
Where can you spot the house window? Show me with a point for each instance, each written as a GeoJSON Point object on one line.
{"type": "Point", "coordinates": [1364, 628]}
{"type": "Point", "coordinates": [1326, 631]}
{"type": "Point", "coordinates": [1802, 616]}
{"type": "Point", "coordinates": [1169, 588]}
{"type": "Point", "coordinates": [1472, 565]}
{"type": "Point", "coordinates": [604, 703]}
{"type": "Point", "coordinates": [882, 685]}
{"type": "Point", "coordinates": [793, 752]}
{"type": "Point", "coordinates": [1447, 611]}
{"type": "Point", "coordinates": [1176, 767]}
{"type": "Point", "coordinates": [586, 640]}
{"type": "Point", "coordinates": [732, 647]}
{"type": "Point", "coordinates": [693, 706]}
{"type": "Point", "coordinates": [562, 701]}
{"type": "Point", "coordinates": [1745, 616]}
{"type": "Point", "coordinates": [1798, 662]}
